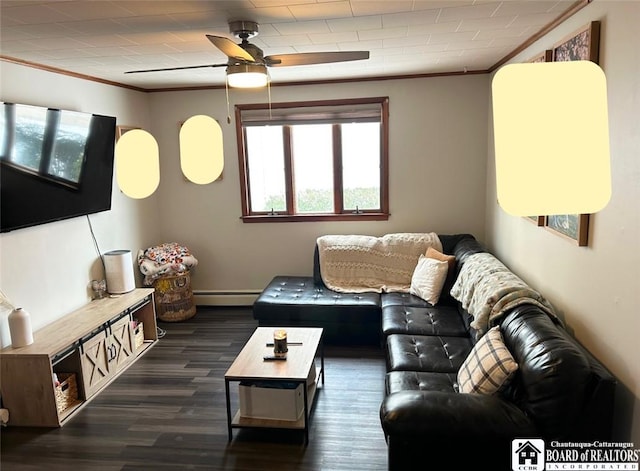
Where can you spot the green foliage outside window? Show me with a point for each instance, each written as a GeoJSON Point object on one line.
{"type": "Point", "coordinates": [321, 201]}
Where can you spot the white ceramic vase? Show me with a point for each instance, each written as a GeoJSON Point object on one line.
{"type": "Point", "coordinates": [20, 328]}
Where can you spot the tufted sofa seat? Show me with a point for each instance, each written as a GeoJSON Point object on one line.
{"type": "Point", "coordinates": [300, 301]}
{"type": "Point", "coordinates": [427, 320]}
{"type": "Point", "coordinates": [433, 353]}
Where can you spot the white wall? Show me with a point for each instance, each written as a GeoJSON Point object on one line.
{"type": "Point", "coordinates": [438, 145]}
{"type": "Point", "coordinates": [47, 269]}
{"type": "Point", "coordinates": [597, 287]}
{"type": "Point", "coordinates": [437, 163]}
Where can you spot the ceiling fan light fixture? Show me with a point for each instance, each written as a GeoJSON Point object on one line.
{"type": "Point", "coordinates": [247, 75]}
{"type": "Point", "coordinates": [247, 65]}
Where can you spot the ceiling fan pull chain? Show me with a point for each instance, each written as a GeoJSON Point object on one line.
{"type": "Point", "coordinates": [226, 87]}
{"type": "Point", "coordinates": [269, 92]}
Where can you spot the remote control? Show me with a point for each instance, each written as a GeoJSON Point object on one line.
{"type": "Point", "coordinates": [274, 358]}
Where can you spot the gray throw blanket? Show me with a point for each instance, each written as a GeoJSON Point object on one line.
{"type": "Point", "coordinates": [487, 290]}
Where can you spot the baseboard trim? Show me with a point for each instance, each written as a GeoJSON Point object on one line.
{"type": "Point", "coordinates": [225, 298]}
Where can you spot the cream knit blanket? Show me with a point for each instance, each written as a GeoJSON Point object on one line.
{"type": "Point", "coordinates": [360, 263]}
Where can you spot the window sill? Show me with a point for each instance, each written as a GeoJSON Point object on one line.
{"type": "Point", "coordinates": [315, 217]}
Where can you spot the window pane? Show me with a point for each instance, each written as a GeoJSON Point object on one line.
{"type": "Point", "coordinates": [4, 132]}
{"type": "Point", "coordinates": [30, 124]}
{"type": "Point", "coordinates": [69, 144]}
{"type": "Point", "coordinates": [312, 157]}
{"type": "Point", "coordinates": [265, 161]}
{"type": "Point", "coordinates": [361, 165]}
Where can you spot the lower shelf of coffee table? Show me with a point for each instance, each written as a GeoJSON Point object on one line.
{"type": "Point", "coordinates": [240, 422]}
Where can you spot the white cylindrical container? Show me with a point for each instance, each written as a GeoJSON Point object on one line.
{"type": "Point", "coordinates": [118, 266]}
{"type": "Point", "coordinates": [20, 328]}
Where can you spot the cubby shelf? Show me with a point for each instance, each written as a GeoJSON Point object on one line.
{"type": "Point", "coordinates": [96, 343]}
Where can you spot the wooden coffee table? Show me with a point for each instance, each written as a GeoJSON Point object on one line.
{"type": "Point", "coordinates": [250, 366]}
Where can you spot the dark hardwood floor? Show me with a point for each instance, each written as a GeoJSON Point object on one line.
{"type": "Point", "coordinates": [167, 412]}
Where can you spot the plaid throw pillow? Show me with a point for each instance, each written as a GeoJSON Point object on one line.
{"type": "Point", "coordinates": [488, 367]}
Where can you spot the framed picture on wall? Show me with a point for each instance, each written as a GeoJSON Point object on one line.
{"type": "Point", "coordinates": [571, 226]}
{"type": "Point", "coordinates": [537, 220]}
{"type": "Point", "coordinates": [546, 56]}
{"type": "Point", "coordinates": [120, 130]}
{"type": "Point", "coordinates": [581, 45]}
{"type": "Point", "coordinates": [180, 123]}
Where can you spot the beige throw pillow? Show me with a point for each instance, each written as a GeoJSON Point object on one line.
{"type": "Point", "coordinates": [428, 279]}
{"type": "Point", "coordinates": [450, 259]}
{"type": "Point", "coordinates": [488, 367]}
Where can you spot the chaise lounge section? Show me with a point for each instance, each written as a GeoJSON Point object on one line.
{"type": "Point", "coordinates": [351, 318]}
{"type": "Point", "coordinates": [300, 301]}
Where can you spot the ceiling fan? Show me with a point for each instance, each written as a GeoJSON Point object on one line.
{"type": "Point", "coordinates": [247, 65]}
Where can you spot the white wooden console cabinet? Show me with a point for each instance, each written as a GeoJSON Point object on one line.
{"type": "Point", "coordinates": [96, 343]}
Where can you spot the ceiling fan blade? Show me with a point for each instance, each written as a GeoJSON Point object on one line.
{"type": "Point", "coordinates": [309, 58]}
{"type": "Point", "coordinates": [230, 48]}
{"type": "Point", "coordinates": [176, 68]}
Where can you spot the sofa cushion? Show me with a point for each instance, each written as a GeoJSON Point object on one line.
{"type": "Point", "coordinates": [441, 320]}
{"type": "Point", "coordinates": [450, 259]}
{"type": "Point", "coordinates": [290, 293]}
{"type": "Point", "coordinates": [396, 381]}
{"type": "Point", "coordinates": [465, 248]}
{"type": "Point", "coordinates": [426, 353]}
{"type": "Point", "coordinates": [488, 367]}
{"type": "Point", "coordinates": [451, 270]}
{"type": "Point", "coordinates": [402, 299]}
{"type": "Point", "coordinates": [460, 246]}
{"type": "Point", "coordinates": [451, 241]}
{"type": "Point", "coordinates": [463, 431]}
{"type": "Point", "coordinates": [566, 391]}
{"type": "Point", "coordinates": [428, 279]}
{"type": "Point", "coordinates": [298, 301]}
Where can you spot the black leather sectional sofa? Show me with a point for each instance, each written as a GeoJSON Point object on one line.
{"type": "Point", "coordinates": [559, 392]}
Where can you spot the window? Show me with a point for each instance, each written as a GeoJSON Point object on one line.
{"type": "Point", "coordinates": [312, 161]}
{"type": "Point", "coordinates": [47, 143]}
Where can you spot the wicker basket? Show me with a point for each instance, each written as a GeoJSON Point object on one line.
{"type": "Point", "coordinates": [139, 335]}
{"type": "Point", "coordinates": [174, 298]}
{"type": "Point", "coordinates": [66, 391]}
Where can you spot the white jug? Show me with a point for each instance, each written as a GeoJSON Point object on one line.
{"type": "Point", "coordinates": [20, 328]}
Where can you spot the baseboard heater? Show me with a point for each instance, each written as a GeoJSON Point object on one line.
{"type": "Point", "coordinates": [240, 297]}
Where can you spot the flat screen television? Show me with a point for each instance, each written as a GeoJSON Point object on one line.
{"type": "Point", "coordinates": [54, 164]}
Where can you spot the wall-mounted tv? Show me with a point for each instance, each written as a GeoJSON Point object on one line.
{"type": "Point", "coordinates": [54, 164]}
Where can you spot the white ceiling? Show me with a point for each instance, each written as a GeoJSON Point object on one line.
{"type": "Point", "coordinates": [103, 39]}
